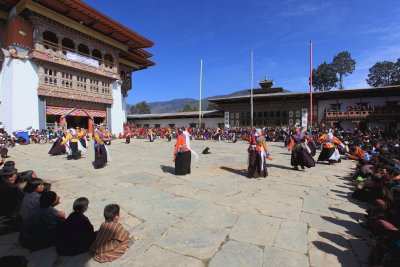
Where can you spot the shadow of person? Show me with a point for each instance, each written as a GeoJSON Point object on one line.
{"type": "Point", "coordinates": [235, 171]}
{"type": "Point", "coordinates": [279, 166]}
{"type": "Point", "coordinates": [168, 169]}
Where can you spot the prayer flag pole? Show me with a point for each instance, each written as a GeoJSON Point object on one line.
{"type": "Point", "coordinates": [251, 87]}
{"type": "Point", "coordinates": [311, 102]}
{"type": "Point", "coordinates": [201, 78]}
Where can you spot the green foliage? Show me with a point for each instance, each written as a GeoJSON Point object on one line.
{"type": "Point", "coordinates": [212, 106]}
{"type": "Point", "coordinates": [140, 108]}
{"type": "Point", "coordinates": [384, 73]}
{"type": "Point", "coordinates": [324, 77]}
{"type": "Point", "coordinates": [343, 65]}
{"type": "Point", "coordinates": [189, 107]}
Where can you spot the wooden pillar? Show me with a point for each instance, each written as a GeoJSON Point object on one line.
{"type": "Point", "coordinates": [90, 125]}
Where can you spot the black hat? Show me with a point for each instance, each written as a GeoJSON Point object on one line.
{"type": "Point", "coordinates": [4, 173]}
{"type": "Point", "coordinates": [205, 151]}
{"type": "Point", "coordinates": [9, 164]}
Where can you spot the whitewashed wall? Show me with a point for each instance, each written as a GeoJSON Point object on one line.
{"type": "Point", "coordinates": [118, 108]}
{"type": "Point", "coordinates": [209, 122]}
{"type": "Point", "coordinates": [18, 94]}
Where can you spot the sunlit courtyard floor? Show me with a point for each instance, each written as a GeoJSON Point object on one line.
{"type": "Point", "coordinates": [215, 216]}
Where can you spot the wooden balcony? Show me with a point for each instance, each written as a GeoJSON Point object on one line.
{"type": "Point", "coordinates": [385, 114]}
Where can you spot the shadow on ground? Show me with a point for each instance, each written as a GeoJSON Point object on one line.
{"type": "Point", "coordinates": [168, 169]}
{"type": "Point", "coordinates": [235, 171]}
{"type": "Point", "coordinates": [279, 166]}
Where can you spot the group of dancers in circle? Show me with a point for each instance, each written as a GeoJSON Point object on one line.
{"type": "Point", "coordinates": [74, 143]}
{"type": "Point", "coordinates": [301, 145]}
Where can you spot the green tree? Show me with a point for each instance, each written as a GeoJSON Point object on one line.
{"type": "Point", "coordinates": [324, 77]}
{"type": "Point", "coordinates": [189, 107]}
{"type": "Point", "coordinates": [384, 73]}
{"type": "Point", "coordinates": [212, 106]}
{"type": "Point", "coordinates": [140, 108]}
{"type": "Point", "coordinates": [344, 65]}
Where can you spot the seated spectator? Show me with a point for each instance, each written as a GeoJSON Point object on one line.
{"type": "Point", "coordinates": [76, 233]}
{"type": "Point", "coordinates": [31, 201]}
{"type": "Point", "coordinates": [9, 165]}
{"type": "Point", "coordinates": [38, 231]}
{"type": "Point", "coordinates": [10, 195]}
{"type": "Point", "coordinates": [112, 239]}
{"type": "Point", "coordinates": [356, 153]}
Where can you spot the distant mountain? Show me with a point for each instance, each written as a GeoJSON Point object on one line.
{"type": "Point", "coordinates": [177, 105]}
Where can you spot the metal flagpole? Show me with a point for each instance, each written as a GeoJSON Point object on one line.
{"type": "Point", "coordinates": [251, 87]}
{"type": "Point", "coordinates": [201, 78]}
{"type": "Point", "coordinates": [311, 103]}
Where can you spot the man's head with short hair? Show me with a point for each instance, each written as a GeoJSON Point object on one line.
{"type": "Point", "coordinates": [48, 199]}
{"type": "Point", "coordinates": [81, 205]}
{"type": "Point", "coordinates": [111, 211]}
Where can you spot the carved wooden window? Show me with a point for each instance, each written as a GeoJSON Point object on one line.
{"type": "Point", "coordinates": [96, 54]}
{"type": "Point", "coordinates": [66, 80]}
{"type": "Point", "coordinates": [94, 85]}
{"type": "Point", "coordinates": [105, 87]}
{"type": "Point", "coordinates": [83, 49]}
{"type": "Point", "coordinates": [108, 61]}
{"type": "Point", "coordinates": [67, 45]}
{"type": "Point", "coordinates": [50, 40]}
{"type": "Point", "coordinates": [49, 77]}
{"type": "Point", "coordinates": [81, 82]}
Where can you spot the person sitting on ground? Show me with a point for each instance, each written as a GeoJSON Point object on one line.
{"type": "Point", "coordinates": [38, 231]}
{"type": "Point", "coordinates": [10, 199]}
{"type": "Point", "coordinates": [76, 233]}
{"type": "Point", "coordinates": [31, 201]}
{"type": "Point", "coordinates": [112, 239]}
{"type": "Point", "coordinates": [356, 153]}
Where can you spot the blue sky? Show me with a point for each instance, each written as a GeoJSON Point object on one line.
{"type": "Point", "coordinates": [223, 32]}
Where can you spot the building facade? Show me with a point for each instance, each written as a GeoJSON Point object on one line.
{"type": "Point", "coordinates": [210, 119]}
{"type": "Point", "coordinates": [272, 107]}
{"type": "Point", "coordinates": [64, 62]}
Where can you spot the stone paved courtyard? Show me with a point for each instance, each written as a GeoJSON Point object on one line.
{"type": "Point", "coordinates": [213, 217]}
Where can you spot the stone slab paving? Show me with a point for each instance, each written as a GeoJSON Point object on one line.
{"type": "Point", "coordinates": [213, 217]}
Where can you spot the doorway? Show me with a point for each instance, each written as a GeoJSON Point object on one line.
{"type": "Point", "coordinates": [77, 121]}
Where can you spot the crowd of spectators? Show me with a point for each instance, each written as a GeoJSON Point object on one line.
{"type": "Point", "coordinates": [377, 180]}
{"type": "Point", "coordinates": [28, 206]}
{"type": "Point", "coordinates": [361, 107]}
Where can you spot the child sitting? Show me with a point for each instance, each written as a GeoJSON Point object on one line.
{"type": "Point", "coordinates": [112, 239]}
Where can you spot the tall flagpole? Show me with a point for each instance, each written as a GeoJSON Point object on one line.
{"type": "Point", "coordinates": [201, 78]}
{"type": "Point", "coordinates": [251, 87]}
{"type": "Point", "coordinates": [311, 103]}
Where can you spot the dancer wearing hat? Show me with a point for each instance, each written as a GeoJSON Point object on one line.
{"type": "Point", "coordinates": [57, 148]}
{"type": "Point", "coordinates": [258, 154]}
{"type": "Point", "coordinates": [300, 151]}
{"type": "Point", "coordinates": [72, 145]}
{"type": "Point", "coordinates": [183, 153]}
{"type": "Point", "coordinates": [101, 154]}
{"type": "Point", "coordinates": [329, 151]}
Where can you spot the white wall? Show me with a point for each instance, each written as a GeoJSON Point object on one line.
{"type": "Point", "coordinates": [209, 122]}
{"type": "Point", "coordinates": [118, 108]}
{"type": "Point", "coordinates": [18, 94]}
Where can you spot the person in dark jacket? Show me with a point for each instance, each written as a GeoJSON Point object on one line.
{"type": "Point", "coordinates": [76, 233]}
{"type": "Point", "coordinates": [39, 230]}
